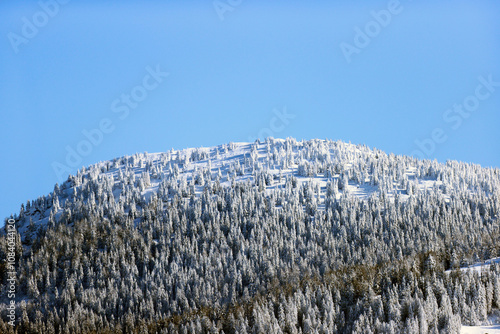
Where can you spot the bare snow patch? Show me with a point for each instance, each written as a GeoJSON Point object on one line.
{"type": "Point", "coordinates": [492, 329]}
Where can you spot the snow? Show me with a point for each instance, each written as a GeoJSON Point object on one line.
{"type": "Point", "coordinates": [232, 160]}
{"type": "Point", "coordinates": [479, 267]}
{"type": "Point", "coordinates": [492, 329]}
{"type": "Point", "coordinates": [482, 266]}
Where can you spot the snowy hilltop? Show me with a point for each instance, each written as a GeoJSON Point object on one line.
{"type": "Point", "coordinates": [280, 236]}
{"type": "Point", "coordinates": [326, 167]}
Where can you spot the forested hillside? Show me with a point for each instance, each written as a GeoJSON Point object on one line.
{"type": "Point", "coordinates": [281, 236]}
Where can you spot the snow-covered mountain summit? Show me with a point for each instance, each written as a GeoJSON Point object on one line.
{"type": "Point", "coordinates": [324, 167]}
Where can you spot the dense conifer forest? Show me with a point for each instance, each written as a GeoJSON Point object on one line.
{"type": "Point", "coordinates": [279, 236]}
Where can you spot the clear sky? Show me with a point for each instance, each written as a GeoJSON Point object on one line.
{"type": "Point", "coordinates": [410, 77]}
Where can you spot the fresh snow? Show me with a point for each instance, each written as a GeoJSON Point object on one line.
{"type": "Point", "coordinates": [479, 267]}
{"type": "Point", "coordinates": [237, 156]}
{"type": "Point", "coordinates": [492, 329]}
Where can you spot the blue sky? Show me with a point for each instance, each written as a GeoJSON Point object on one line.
{"type": "Point", "coordinates": [233, 68]}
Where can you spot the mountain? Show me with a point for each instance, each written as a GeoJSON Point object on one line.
{"type": "Point", "coordinates": [280, 236]}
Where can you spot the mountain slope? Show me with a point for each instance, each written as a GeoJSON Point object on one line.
{"type": "Point", "coordinates": [276, 236]}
